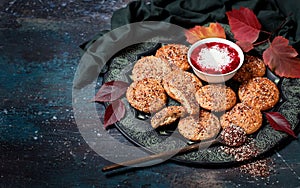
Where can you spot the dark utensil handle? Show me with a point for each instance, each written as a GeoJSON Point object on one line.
{"type": "Point", "coordinates": [162, 155]}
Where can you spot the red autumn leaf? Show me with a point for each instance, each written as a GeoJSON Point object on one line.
{"type": "Point", "coordinates": [279, 123]}
{"type": "Point", "coordinates": [201, 32]}
{"type": "Point", "coordinates": [282, 58]}
{"type": "Point", "coordinates": [111, 91]}
{"type": "Point", "coordinates": [114, 113]}
{"type": "Point", "coordinates": [245, 46]}
{"type": "Point", "coordinates": [244, 24]}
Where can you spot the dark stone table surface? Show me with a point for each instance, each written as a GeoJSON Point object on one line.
{"type": "Point", "coordinates": [40, 144]}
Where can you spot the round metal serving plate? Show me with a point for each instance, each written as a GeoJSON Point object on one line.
{"type": "Point", "coordinates": [135, 125]}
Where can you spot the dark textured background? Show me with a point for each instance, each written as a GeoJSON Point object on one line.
{"type": "Point", "coordinates": [40, 145]}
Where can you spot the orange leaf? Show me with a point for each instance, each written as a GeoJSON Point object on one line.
{"type": "Point", "coordinates": [201, 32]}
{"type": "Point", "coordinates": [282, 58]}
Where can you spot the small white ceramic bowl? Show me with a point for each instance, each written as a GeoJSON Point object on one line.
{"type": "Point", "coordinates": [215, 78]}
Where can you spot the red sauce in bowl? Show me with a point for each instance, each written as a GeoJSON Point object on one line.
{"type": "Point", "coordinates": [215, 58]}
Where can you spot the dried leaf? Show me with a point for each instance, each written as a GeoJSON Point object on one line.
{"type": "Point", "coordinates": [279, 123]}
{"type": "Point", "coordinates": [114, 113]}
{"type": "Point", "coordinates": [244, 24]}
{"type": "Point", "coordinates": [282, 58]}
{"type": "Point", "coordinates": [111, 91]}
{"type": "Point", "coordinates": [245, 46]}
{"type": "Point", "coordinates": [200, 32]}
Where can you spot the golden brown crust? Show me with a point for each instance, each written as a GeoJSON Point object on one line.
{"type": "Point", "coordinates": [146, 95]}
{"type": "Point", "coordinates": [206, 126]}
{"type": "Point", "coordinates": [182, 80]}
{"type": "Point", "coordinates": [252, 67]}
{"type": "Point", "coordinates": [216, 97]}
{"type": "Point", "coordinates": [250, 119]}
{"type": "Point", "coordinates": [167, 116]}
{"type": "Point", "coordinates": [260, 93]}
{"type": "Point", "coordinates": [150, 67]}
{"type": "Point", "coordinates": [182, 86]}
{"type": "Point", "coordinates": [175, 54]}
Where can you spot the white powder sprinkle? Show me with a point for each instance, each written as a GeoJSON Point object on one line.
{"type": "Point", "coordinates": [214, 58]}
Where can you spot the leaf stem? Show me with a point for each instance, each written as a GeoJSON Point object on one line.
{"type": "Point", "coordinates": [261, 42]}
{"type": "Point", "coordinates": [267, 32]}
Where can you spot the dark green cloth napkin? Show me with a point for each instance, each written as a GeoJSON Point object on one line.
{"type": "Point", "coordinates": [280, 16]}
{"type": "Point", "coordinates": [187, 13]}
